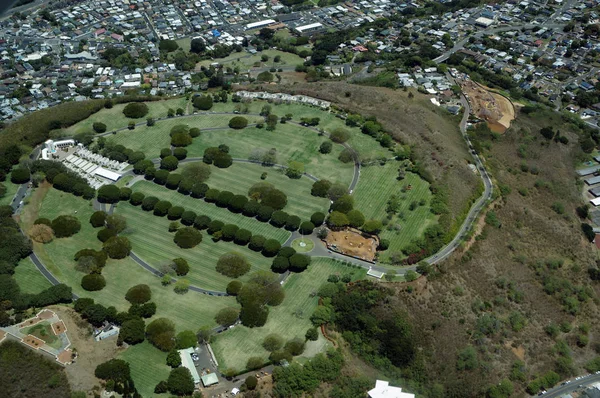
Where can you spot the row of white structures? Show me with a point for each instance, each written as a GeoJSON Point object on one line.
{"type": "Point", "coordinates": [95, 174]}
{"type": "Point", "coordinates": [85, 153]}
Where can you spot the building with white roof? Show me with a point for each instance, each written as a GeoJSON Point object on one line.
{"type": "Point", "coordinates": [186, 361]}
{"type": "Point", "coordinates": [384, 390]}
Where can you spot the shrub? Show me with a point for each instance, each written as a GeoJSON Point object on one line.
{"type": "Point", "coordinates": [203, 102]}
{"type": "Point", "coordinates": [135, 110]}
{"type": "Point", "coordinates": [173, 180]}
{"type": "Point", "coordinates": [312, 334]}
{"type": "Point", "coordinates": [169, 163]}
{"type": "Point", "coordinates": [65, 226]}
{"type": "Point", "coordinates": [175, 212]}
{"type": "Point", "coordinates": [188, 217]}
{"type": "Point", "coordinates": [20, 176]}
{"type": "Point", "coordinates": [180, 382]}
{"type": "Point", "coordinates": [257, 243]}
{"type": "Point", "coordinates": [242, 237]}
{"type": "Point", "coordinates": [138, 294]}
{"type": "Point", "coordinates": [194, 132]}
{"type": "Point", "coordinates": [234, 287]}
{"type": "Point", "coordinates": [105, 234]}
{"type": "Point", "coordinates": [180, 153]}
{"type": "Point", "coordinates": [109, 194]}
{"type": "Point", "coordinates": [41, 233]}
{"type": "Point", "coordinates": [233, 265]}
{"type": "Point", "coordinates": [99, 127]}
{"type": "Point", "coordinates": [320, 188]}
{"type": "Point", "coordinates": [326, 147]}
{"type": "Point", "coordinates": [117, 247]}
{"type": "Point", "coordinates": [149, 202]}
{"type": "Point", "coordinates": [136, 198]}
{"type": "Point", "coordinates": [271, 247]}
{"type": "Point", "coordinates": [161, 333]}
{"type": "Point", "coordinates": [202, 222]}
{"type": "Point", "coordinates": [181, 139]}
{"type": "Point", "coordinates": [299, 262]}
{"type": "Point", "coordinates": [294, 346]}
{"type": "Point", "coordinates": [251, 381]}
{"type": "Point", "coordinates": [44, 221]}
{"type": "Point", "coordinates": [181, 266]}
{"type": "Point", "coordinates": [186, 339]}
{"type": "Point", "coordinates": [227, 316]}
{"type": "Point", "coordinates": [317, 218]}
{"type": "Point", "coordinates": [93, 282]}
{"type": "Point", "coordinates": [339, 135]}
{"type": "Point", "coordinates": [346, 156]}
{"type": "Point", "coordinates": [187, 237]}
{"type": "Point", "coordinates": [238, 122]}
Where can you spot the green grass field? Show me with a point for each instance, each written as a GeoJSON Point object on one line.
{"type": "Point", "coordinates": [11, 189]}
{"type": "Point", "coordinates": [239, 177]}
{"type": "Point", "coordinates": [29, 279]}
{"type": "Point", "coordinates": [188, 311]}
{"type": "Point", "coordinates": [114, 118]}
{"type": "Point", "coordinates": [148, 367]}
{"type": "Point", "coordinates": [211, 210]}
{"type": "Point", "coordinates": [377, 184]}
{"type": "Point", "coordinates": [151, 140]}
{"type": "Point", "coordinates": [246, 61]}
{"type": "Point", "coordinates": [290, 319]}
{"type": "Point", "coordinates": [291, 142]}
{"type": "Point", "coordinates": [154, 244]}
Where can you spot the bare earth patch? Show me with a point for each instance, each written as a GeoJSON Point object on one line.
{"type": "Point", "coordinates": [352, 243]}
{"type": "Point", "coordinates": [33, 342]}
{"type": "Point", "coordinates": [90, 353]}
{"type": "Point", "coordinates": [59, 328]}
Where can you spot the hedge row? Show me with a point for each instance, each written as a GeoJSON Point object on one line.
{"type": "Point", "coordinates": [217, 229]}
{"type": "Point", "coordinates": [239, 204]}
{"type": "Point", "coordinates": [63, 179]}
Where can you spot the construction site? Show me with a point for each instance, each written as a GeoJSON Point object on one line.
{"type": "Point", "coordinates": [492, 107]}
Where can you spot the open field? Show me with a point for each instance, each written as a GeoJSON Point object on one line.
{"type": "Point", "coordinates": [11, 189]}
{"type": "Point", "coordinates": [289, 320]}
{"type": "Point", "coordinates": [292, 143]}
{"type": "Point", "coordinates": [29, 279]}
{"type": "Point", "coordinates": [153, 243]}
{"type": "Point", "coordinates": [241, 176]}
{"type": "Point", "coordinates": [188, 311]}
{"type": "Point", "coordinates": [151, 140]}
{"type": "Point", "coordinates": [148, 367]}
{"type": "Point", "coordinates": [246, 61]}
{"type": "Point", "coordinates": [114, 118]}
{"type": "Point", "coordinates": [210, 209]}
{"type": "Point", "coordinates": [377, 185]}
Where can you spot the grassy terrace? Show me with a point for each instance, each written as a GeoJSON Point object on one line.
{"type": "Point", "coordinates": [11, 189]}
{"type": "Point", "coordinates": [114, 118]}
{"type": "Point", "coordinates": [148, 367]}
{"type": "Point", "coordinates": [188, 311]}
{"type": "Point", "coordinates": [29, 279]}
{"type": "Point", "coordinates": [211, 210]}
{"type": "Point", "coordinates": [154, 244]}
{"type": "Point", "coordinates": [292, 143]}
{"type": "Point", "coordinates": [151, 140]}
{"type": "Point", "coordinates": [289, 320]}
{"type": "Point", "coordinates": [241, 176]}
{"type": "Point", "coordinates": [377, 185]}
{"type": "Point", "coordinates": [245, 60]}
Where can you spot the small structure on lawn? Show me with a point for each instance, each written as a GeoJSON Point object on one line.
{"type": "Point", "coordinates": [106, 332]}
{"type": "Point", "coordinates": [375, 274]}
{"type": "Point", "coordinates": [384, 390]}
{"type": "Point", "coordinates": [209, 379]}
{"type": "Point", "coordinates": [188, 362]}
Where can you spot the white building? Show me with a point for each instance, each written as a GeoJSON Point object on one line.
{"type": "Point", "coordinates": [260, 24]}
{"type": "Point", "coordinates": [384, 390]}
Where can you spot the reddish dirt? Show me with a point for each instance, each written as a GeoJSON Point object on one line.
{"type": "Point", "coordinates": [59, 328]}
{"type": "Point", "coordinates": [2, 335]}
{"type": "Point", "coordinates": [29, 322]}
{"type": "Point", "coordinates": [45, 314]}
{"type": "Point", "coordinates": [65, 357]}
{"type": "Point", "coordinates": [33, 341]}
{"type": "Point", "coordinates": [352, 243]}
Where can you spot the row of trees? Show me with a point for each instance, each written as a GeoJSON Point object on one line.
{"type": "Point", "coordinates": [44, 230]}
{"type": "Point", "coordinates": [61, 178]}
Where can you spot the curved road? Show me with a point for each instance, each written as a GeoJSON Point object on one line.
{"type": "Point", "coordinates": [320, 251]}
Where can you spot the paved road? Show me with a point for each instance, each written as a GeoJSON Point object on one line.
{"type": "Point", "coordinates": [479, 34]}
{"type": "Point", "coordinates": [8, 13]}
{"type": "Point", "coordinates": [480, 204]}
{"type": "Point", "coordinates": [572, 386]}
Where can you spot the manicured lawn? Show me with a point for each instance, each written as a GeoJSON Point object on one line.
{"type": "Point", "coordinates": [148, 367]}
{"type": "Point", "coordinates": [11, 189]}
{"type": "Point", "coordinates": [153, 243]}
{"type": "Point", "coordinates": [151, 140]}
{"type": "Point", "coordinates": [114, 118]}
{"type": "Point", "coordinates": [377, 184]}
{"type": "Point", "coordinates": [292, 142]}
{"type": "Point", "coordinates": [290, 319]}
{"type": "Point", "coordinates": [210, 209]}
{"type": "Point", "coordinates": [246, 60]}
{"type": "Point", "coordinates": [29, 279]}
{"type": "Point", "coordinates": [188, 311]}
{"type": "Point", "coordinates": [239, 177]}
{"type": "Point", "coordinates": [44, 332]}
{"type": "Point", "coordinates": [303, 245]}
